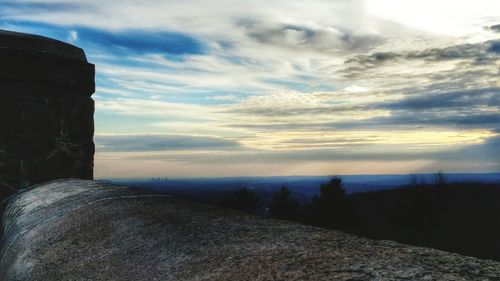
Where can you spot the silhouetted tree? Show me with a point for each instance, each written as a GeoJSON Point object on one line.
{"type": "Point", "coordinates": [330, 208]}
{"type": "Point", "coordinates": [332, 191]}
{"type": "Point", "coordinates": [242, 200]}
{"type": "Point", "coordinates": [283, 206]}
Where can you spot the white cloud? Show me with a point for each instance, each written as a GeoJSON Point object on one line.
{"type": "Point", "coordinates": [444, 17]}
{"type": "Point", "coordinates": [356, 89]}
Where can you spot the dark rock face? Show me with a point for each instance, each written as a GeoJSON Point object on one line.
{"type": "Point", "coordinates": [86, 230]}
{"type": "Point", "coordinates": [46, 111]}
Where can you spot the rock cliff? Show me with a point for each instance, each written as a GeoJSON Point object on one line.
{"type": "Point", "coordinates": [46, 111]}
{"type": "Point", "coordinates": [86, 230]}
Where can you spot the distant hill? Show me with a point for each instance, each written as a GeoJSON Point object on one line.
{"type": "Point", "coordinates": [302, 187]}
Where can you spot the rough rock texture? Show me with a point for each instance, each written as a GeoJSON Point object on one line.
{"type": "Point", "coordinates": [85, 230]}
{"type": "Point", "coordinates": [46, 111]}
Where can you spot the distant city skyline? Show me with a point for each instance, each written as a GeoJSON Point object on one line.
{"type": "Point", "coordinates": [225, 88]}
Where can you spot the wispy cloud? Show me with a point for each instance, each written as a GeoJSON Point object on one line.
{"type": "Point", "coordinates": [160, 142]}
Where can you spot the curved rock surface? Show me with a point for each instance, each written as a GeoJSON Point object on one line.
{"type": "Point", "coordinates": [86, 230]}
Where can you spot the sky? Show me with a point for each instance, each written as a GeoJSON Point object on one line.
{"type": "Point", "coordinates": [216, 88]}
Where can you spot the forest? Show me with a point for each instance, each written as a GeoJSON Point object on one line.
{"type": "Point", "coordinates": [461, 217]}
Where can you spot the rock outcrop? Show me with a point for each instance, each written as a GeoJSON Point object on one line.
{"type": "Point", "coordinates": [46, 111]}
{"type": "Point", "coordinates": [86, 230]}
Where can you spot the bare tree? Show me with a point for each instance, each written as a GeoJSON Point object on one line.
{"type": "Point", "coordinates": [439, 179]}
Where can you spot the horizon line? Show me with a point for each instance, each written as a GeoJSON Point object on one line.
{"type": "Point", "coordinates": [291, 176]}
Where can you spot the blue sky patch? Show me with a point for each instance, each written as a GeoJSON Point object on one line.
{"type": "Point", "coordinates": [170, 44]}
{"type": "Point", "coordinates": [495, 47]}
{"type": "Point", "coordinates": [140, 41]}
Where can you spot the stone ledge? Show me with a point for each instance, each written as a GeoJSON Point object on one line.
{"type": "Point", "coordinates": [87, 230]}
{"type": "Point", "coordinates": [31, 43]}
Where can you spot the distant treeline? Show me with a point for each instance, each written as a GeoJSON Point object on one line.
{"type": "Point", "coordinates": [456, 217]}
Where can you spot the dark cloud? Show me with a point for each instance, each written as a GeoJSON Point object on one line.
{"type": "Point", "coordinates": [281, 112]}
{"type": "Point", "coordinates": [293, 156]}
{"type": "Point", "coordinates": [352, 42]}
{"type": "Point", "coordinates": [294, 36]}
{"type": "Point", "coordinates": [494, 28]}
{"type": "Point", "coordinates": [279, 35]}
{"type": "Point", "coordinates": [404, 119]}
{"type": "Point", "coordinates": [467, 99]}
{"type": "Point", "coordinates": [427, 106]}
{"type": "Point", "coordinates": [137, 143]}
{"type": "Point", "coordinates": [485, 52]}
{"type": "Point", "coordinates": [397, 120]}
{"type": "Point", "coordinates": [274, 34]}
{"type": "Point", "coordinates": [463, 51]}
{"type": "Point", "coordinates": [474, 108]}
{"type": "Point", "coordinates": [485, 152]}
{"type": "Point", "coordinates": [275, 127]}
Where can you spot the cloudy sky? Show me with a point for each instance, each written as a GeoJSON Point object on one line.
{"type": "Point", "coordinates": [199, 88]}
